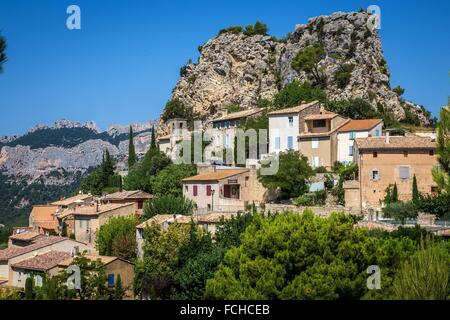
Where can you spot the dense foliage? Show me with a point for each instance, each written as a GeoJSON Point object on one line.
{"type": "Point", "coordinates": [168, 181]}
{"type": "Point", "coordinates": [118, 238]}
{"type": "Point", "coordinates": [307, 60]}
{"type": "Point", "coordinates": [168, 204]}
{"type": "Point", "coordinates": [131, 150]}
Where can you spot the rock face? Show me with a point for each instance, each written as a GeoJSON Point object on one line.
{"type": "Point", "coordinates": [235, 68]}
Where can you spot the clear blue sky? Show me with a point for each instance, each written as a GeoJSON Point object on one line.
{"type": "Point", "coordinates": [123, 64]}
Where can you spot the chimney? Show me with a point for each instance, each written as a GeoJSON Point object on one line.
{"type": "Point", "coordinates": [387, 137]}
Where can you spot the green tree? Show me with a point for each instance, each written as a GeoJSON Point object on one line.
{"type": "Point", "coordinates": [29, 288]}
{"type": "Point", "coordinates": [176, 109]}
{"type": "Point", "coordinates": [257, 28]}
{"type": "Point", "coordinates": [307, 60]}
{"type": "Point", "coordinates": [292, 176]}
{"type": "Point", "coordinates": [119, 290]}
{"type": "Point", "coordinates": [343, 75]}
{"type": "Point", "coordinates": [2, 52]}
{"type": "Point", "coordinates": [400, 211]}
{"type": "Point", "coordinates": [399, 90]}
{"type": "Point", "coordinates": [168, 181]}
{"type": "Point", "coordinates": [168, 204]}
{"type": "Point", "coordinates": [415, 191]}
{"type": "Point", "coordinates": [303, 256]}
{"type": "Point", "coordinates": [115, 232]}
{"type": "Point", "coordinates": [131, 150]}
{"type": "Point", "coordinates": [394, 195]}
{"type": "Point", "coordinates": [228, 232]}
{"type": "Point", "coordinates": [153, 145]}
{"type": "Point", "coordinates": [295, 93]}
{"type": "Point", "coordinates": [101, 177]}
{"type": "Point", "coordinates": [354, 108]}
{"type": "Point", "coordinates": [425, 275]}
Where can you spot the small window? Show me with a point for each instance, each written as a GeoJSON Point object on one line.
{"type": "Point", "coordinates": [277, 143]}
{"type": "Point", "coordinates": [405, 154]}
{"type": "Point", "coordinates": [208, 190]}
{"type": "Point", "coordinates": [319, 123]}
{"type": "Point", "coordinates": [350, 150]}
{"type": "Point", "coordinates": [195, 191]}
{"type": "Point", "coordinates": [111, 280]}
{"type": "Point", "coordinates": [291, 122]}
{"type": "Point", "coordinates": [352, 135]}
{"type": "Point", "coordinates": [377, 133]}
{"type": "Point", "coordinates": [375, 154]}
{"type": "Point", "coordinates": [315, 143]}
{"type": "Point", "coordinates": [290, 142]}
{"type": "Point", "coordinates": [315, 162]}
{"type": "Point", "coordinates": [431, 153]}
{"type": "Point", "coordinates": [403, 172]}
{"type": "Point", "coordinates": [375, 174]}
{"type": "Point", "coordinates": [186, 189]}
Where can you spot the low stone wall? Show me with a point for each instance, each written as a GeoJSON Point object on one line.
{"type": "Point", "coordinates": [321, 211]}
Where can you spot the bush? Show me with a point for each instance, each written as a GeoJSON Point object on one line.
{"type": "Point", "coordinates": [176, 109]}
{"type": "Point", "coordinates": [168, 204]}
{"type": "Point", "coordinates": [311, 199]}
{"type": "Point", "coordinates": [400, 211]}
{"type": "Point", "coordinates": [257, 28]}
{"type": "Point", "coordinates": [320, 169]}
{"type": "Point", "coordinates": [232, 29]}
{"type": "Point", "coordinates": [399, 90]}
{"type": "Point", "coordinates": [307, 60]}
{"type": "Point", "coordinates": [295, 93]}
{"type": "Point", "coordinates": [343, 75]}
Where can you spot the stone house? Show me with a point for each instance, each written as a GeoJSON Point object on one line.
{"type": "Point", "coordinates": [43, 219]}
{"type": "Point", "coordinates": [137, 197]}
{"type": "Point", "coordinates": [224, 189]}
{"type": "Point", "coordinates": [383, 161]}
{"type": "Point", "coordinates": [178, 131]}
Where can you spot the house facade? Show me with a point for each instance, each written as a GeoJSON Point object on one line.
{"type": "Point", "coordinates": [224, 189]}
{"type": "Point", "coordinates": [352, 130]}
{"type": "Point", "coordinates": [383, 161]}
{"type": "Point", "coordinates": [137, 197]}
{"type": "Point", "coordinates": [286, 124]}
{"type": "Point", "coordinates": [318, 140]}
{"type": "Point", "coordinates": [178, 131]}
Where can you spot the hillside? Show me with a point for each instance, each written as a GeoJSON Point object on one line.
{"type": "Point", "coordinates": [241, 68]}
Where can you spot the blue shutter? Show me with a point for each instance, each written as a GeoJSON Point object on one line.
{"type": "Point", "coordinates": [111, 280]}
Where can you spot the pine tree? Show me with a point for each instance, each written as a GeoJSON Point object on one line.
{"type": "Point", "coordinates": [29, 288]}
{"type": "Point", "coordinates": [415, 191]}
{"type": "Point", "coordinates": [107, 168]}
{"type": "Point", "coordinates": [131, 150]}
{"type": "Point", "coordinates": [394, 195]}
{"type": "Point", "coordinates": [119, 291]}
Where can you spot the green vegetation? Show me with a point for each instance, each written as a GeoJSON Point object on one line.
{"type": "Point", "coordinates": [354, 108]}
{"type": "Point", "coordinates": [250, 30]}
{"type": "Point", "coordinates": [307, 60]}
{"type": "Point", "coordinates": [168, 181]}
{"type": "Point", "coordinates": [399, 90]}
{"type": "Point", "coordinates": [168, 204]}
{"type": "Point", "coordinates": [345, 172]}
{"type": "Point", "coordinates": [118, 238]}
{"type": "Point", "coordinates": [295, 93]}
{"type": "Point", "coordinates": [176, 109]}
{"type": "Point", "coordinates": [292, 176]}
{"type": "Point", "coordinates": [343, 74]}
{"type": "Point", "coordinates": [400, 211]}
{"type": "Point", "coordinates": [103, 179]}
{"type": "Point", "coordinates": [233, 108]}
{"type": "Point", "coordinates": [312, 199]}
{"type": "Point", "coordinates": [131, 150]}
{"type": "Point", "coordinates": [29, 288]}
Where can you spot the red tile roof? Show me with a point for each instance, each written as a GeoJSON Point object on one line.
{"type": "Point", "coordinates": [360, 125]}
{"type": "Point", "coordinates": [12, 252]}
{"type": "Point", "coordinates": [395, 142]}
{"type": "Point", "coordinates": [43, 262]}
{"type": "Point", "coordinates": [217, 175]}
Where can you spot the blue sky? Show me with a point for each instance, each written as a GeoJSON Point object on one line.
{"type": "Point", "coordinates": [123, 64]}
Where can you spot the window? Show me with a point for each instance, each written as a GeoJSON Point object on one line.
{"type": "Point", "coordinates": [38, 280]}
{"type": "Point", "coordinates": [375, 154]}
{"type": "Point", "coordinates": [186, 189]}
{"type": "Point", "coordinates": [375, 174]}
{"type": "Point", "coordinates": [227, 141]}
{"type": "Point", "coordinates": [111, 280]}
{"type": "Point", "coordinates": [315, 162]}
{"type": "Point", "coordinates": [228, 124]}
{"type": "Point", "coordinates": [208, 190]}
{"type": "Point", "coordinates": [19, 276]}
{"type": "Point", "coordinates": [319, 123]}
{"type": "Point", "coordinates": [350, 150]}
{"type": "Point", "coordinates": [290, 142]}
{"type": "Point", "coordinates": [277, 143]}
{"type": "Point", "coordinates": [431, 153]}
{"type": "Point", "coordinates": [405, 154]}
{"type": "Point", "coordinates": [352, 135]}
{"type": "Point", "coordinates": [403, 172]}
{"type": "Point", "coordinates": [291, 122]}
{"type": "Point", "coordinates": [195, 191]}
{"type": "Point", "coordinates": [218, 140]}
{"type": "Point", "coordinates": [315, 143]}
{"type": "Point", "coordinates": [377, 133]}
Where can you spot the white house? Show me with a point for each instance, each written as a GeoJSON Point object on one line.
{"type": "Point", "coordinates": [286, 124]}
{"type": "Point", "coordinates": [356, 129]}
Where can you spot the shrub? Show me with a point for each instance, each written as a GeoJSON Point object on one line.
{"type": "Point", "coordinates": [307, 60]}
{"type": "Point", "coordinates": [168, 204]}
{"type": "Point", "coordinates": [320, 169]}
{"type": "Point", "coordinates": [400, 211]}
{"type": "Point", "coordinates": [311, 199]}
{"type": "Point", "coordinates": [343, 75]}
{"type": "Point", "coordinates": [232, 29]}
{"type": "Point", "coordinates": [399, 90]}
{"type": "Point", "coordinates": [257, 28]}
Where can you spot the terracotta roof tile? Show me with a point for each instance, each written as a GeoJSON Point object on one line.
{"type": "Point", "coordinates": [104, 259]}
{"type": "Point", "coordinates": [127, 195]}
{"type": "Point", "coordinates": [12, 252]}
{"type": "Point", "coordinates": [217, 175]}
{"type": "Point", "coordinates": [296, 109]}
{"type": "Point", "coordinates": [360, 125]}
{"type": "Point", "coordinates": [71, 200]}
{"type": "Point", "coordinates": [158, 219]}
{"type": "Point", "coordinates": [395, 142]}
{"type": "Point", "coordinates": [44, 262]}
{"type": "Point", "coordinates": [91, 210]}
{"type": "Point", "coordinates": [25, 236]}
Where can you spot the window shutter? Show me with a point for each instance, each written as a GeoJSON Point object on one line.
{"type": "Point", "coordinates": [195, 191]}
{"type": "Point", "coordinates": [208, 190]}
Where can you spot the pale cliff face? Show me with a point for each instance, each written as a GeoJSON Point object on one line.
{"type": "Point", "coordinates": [235, 68]}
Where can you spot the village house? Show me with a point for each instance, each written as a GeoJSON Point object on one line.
{"type": "Point", "coordinates": [12, 255]}
{"type": "Point", "coordinates": [286, 124]}
{"type": "Point", "coordinates": [89, 218]}
{"type": "Point", "coordinates": [224, 189]}
{"type": "Point", "coordinates": [352, 130]}
{"type": "Point", "coordinates": [178, 131]}
{"type": "Point", "coordinates": [114, 267]}
{"type": "Point", "coordinates": [43, 219]}
{"type": "Point", "coordinates": [318, 139]}
{"type": "Point", "coordinates": [383, 161]}
{"type": "Point", "coordinates": [224, 128]}
{"type": "Point", "coordinates": [137, 197]}
{"type": "Point", "coordinates": [22, 237]}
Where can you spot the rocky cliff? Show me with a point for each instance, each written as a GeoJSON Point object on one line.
{"type": "Point", "coordinates": [235, 68]}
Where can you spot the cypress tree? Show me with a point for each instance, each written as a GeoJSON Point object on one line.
{"type": "Point", "coordinates": [131, 150]}
{"type": "Point", "coordinates": [415, 191]}
{"type": "Point", "coordinates": [394, 195]}
{"type": "Point", "coordinates": [153, 141]}
{"type": "Point", "coordinates": [119, 292]}
{"type": "Point", "coordinates": [29, 288]}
